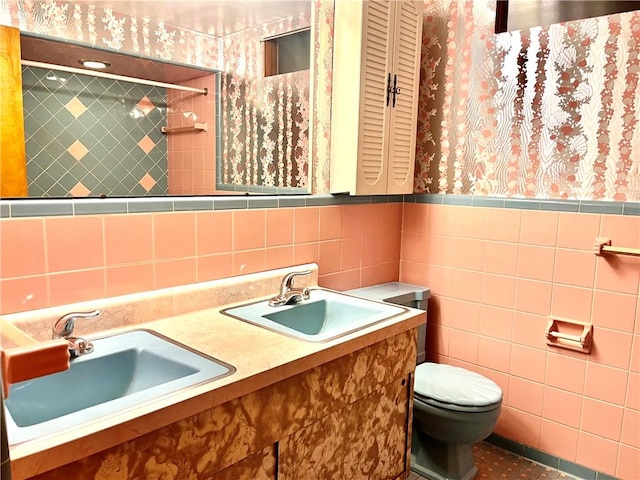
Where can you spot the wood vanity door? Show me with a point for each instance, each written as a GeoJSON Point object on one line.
{"type": "Point", "coordinates": [366, 440]}
{"type": "Point", "coordinates": [259, 466]}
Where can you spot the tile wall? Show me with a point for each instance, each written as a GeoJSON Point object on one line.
{"type": "Point", "coordinates": [192, 155]}
{"type": "Point", "coordinates": [496, 275]}
{"type": "Point", "coordinates": [42, 263]}
{"type": "Point", "coordinates": [91, 136]}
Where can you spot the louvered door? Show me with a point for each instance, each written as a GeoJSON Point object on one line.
{"type": "Point", "coordinates": [404, 115]}
{"type": "Point", "coordinates": [378, 27]}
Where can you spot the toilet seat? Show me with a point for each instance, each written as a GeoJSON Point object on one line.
{"type": "Point", "coordinates": [455, 388]}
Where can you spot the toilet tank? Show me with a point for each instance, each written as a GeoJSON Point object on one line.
{"type": "Point", "coordinates": [404, 294]}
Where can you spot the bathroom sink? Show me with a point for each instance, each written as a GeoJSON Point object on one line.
{"type": "Point", "coordinates": [124, 371]}
{"type": "Point", "coordinates": [325, 316]}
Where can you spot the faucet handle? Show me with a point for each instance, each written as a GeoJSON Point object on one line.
{"type": "Point", "coordinates": [287, 281]}
{"type": "Point", "coordinates": [64, 325]}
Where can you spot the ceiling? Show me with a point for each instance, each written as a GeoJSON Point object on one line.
{"type": "Point", "coordinates": [214, 17]}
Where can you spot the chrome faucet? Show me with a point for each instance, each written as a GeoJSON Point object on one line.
{"type": "Point", "coordinates": [288, 294]}
{"type": "Point", "coordinates": [63, 328]}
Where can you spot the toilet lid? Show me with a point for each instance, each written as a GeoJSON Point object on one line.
{"type": "Point", "coordinates": [454, 385]}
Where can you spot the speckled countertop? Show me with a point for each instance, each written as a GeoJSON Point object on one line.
{"type": "Point", "coordinates": [260, 357]}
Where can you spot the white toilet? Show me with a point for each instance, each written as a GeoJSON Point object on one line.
{"type": "Point", "coordinates": [453, 408]}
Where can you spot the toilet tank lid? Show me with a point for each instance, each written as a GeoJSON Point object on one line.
{"type": "Point", "coordinates": [455, 385]}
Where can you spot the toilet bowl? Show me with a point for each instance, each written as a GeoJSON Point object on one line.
{"type": "Point", "coordinates": [453, 408]}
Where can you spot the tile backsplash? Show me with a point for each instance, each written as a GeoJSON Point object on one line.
{"type": "Point", "coordinates": [92, 136]}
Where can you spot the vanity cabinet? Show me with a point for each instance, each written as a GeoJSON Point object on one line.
{"type": "Point", "coordinates": [348, 418]}
{"type": "Point", "coordinates": [376, 74]}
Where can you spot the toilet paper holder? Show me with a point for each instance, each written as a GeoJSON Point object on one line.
{"type": "Point", "coordinates": [570, 334]}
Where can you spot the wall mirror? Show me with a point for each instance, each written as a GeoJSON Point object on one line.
{"type": "Point", "coordinates": [524, 14]}
{"type": "Point", "coordinates": [89, 136]}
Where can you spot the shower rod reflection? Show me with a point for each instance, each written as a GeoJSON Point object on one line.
{"type": "Point", "coordinates": [111, 76]}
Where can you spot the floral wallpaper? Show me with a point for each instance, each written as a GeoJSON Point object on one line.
{"type": "Point", "coordinates": [265, 120]}
{"type": "Point", "coordinates": [550, 112]}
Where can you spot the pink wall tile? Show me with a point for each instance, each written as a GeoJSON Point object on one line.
{"type": "Point", "coordinates": [350, 279]}
{"type": "Point", "coordinates": [305, 253]}
{"type": "Point", "coordinates": [330, 223]}
{"type": "Point", "coordinates": [461, 314]}
{"type": "Point", "coordinates": [279, 226]}
{"type": "Point", "coordinates": [539, 228]}
{"type": "Point", "coordinates": [470, 222]}
{"type": "Point", "coordinates": [622, 230]}
{"type": "Point", "coordinates": [578, 230]}
{"type": "Point", "coordinates": [628, 465]}
{"type": "Point", "coordinates": [329, 257]}
{"type": "Point", "coordinates": [463, 346]}
{"type": "Point", "coordinates": [565, 372]}
{"type": "Point", "coordinates": [528, 363]}
{"type": "Point", "coordinates": [441, 219]}
{"type": "Point", "coordinates": [529, 329]}
{"type": "Point", "coordinates": [618, 274]}
{"type": "Point", "coordinates": [279, 257]}
{"type": "Point", "coordinates": [171, 273]}
{"type": "Point", "coordinates": [631, 428]}
{"type": "Point", "coordinates": [533, 297]}
{"type": "Point", "coordinates": [439, 279]}
{"type": "Point", "coordinates": [503, 224]}
{"type": "Point", "coordinates": [606, 383]}
{"type": "Point", "coordinates": [249, 228]}
{"type": "Point", "coordinates": [413, 247]}
{"type": "Point", "coordinates": [350, 253]}
{"type": "Point", "coordinates": [575, 267]}
{"type": "Point", "coordinates": [439, 250]}
{"type": "Point", "coordinates": [525, 395]}
{"type": "Point", "coordinates": [351, 221]}
{"type": "Point", "coordinates": [22, 294]}
{"type": "Point", "coordinates": [174, 235]}
{"type": "Point", "coordinates": [468, 253]}
{"type": "Point", "coordinates": [414, 273]}
{"type": "Point", "coordinates": [214, 232]}
{"type": "Point", "coordinates": [571, 303]}
{"type": "Point", "coordinates": [494, 354]}
{"type": "Point", "coordinates": [74, 243]}
{"type": "Point", "coordinates": [602, 419]}
{"type": "Point", "coordinates": [562, 407]}
{"type": "Point", "coordinates": [524, 427]}
{"type": "Point", "coordinates": [22, 247]}
{"type": "Point", "coordinates": [496, 322]}
{"type": "Point", "coordinates": [249, 261]}
{"type": "Point", "coordinates": [306, 225]}
{"type": "Point", "coordinates": [611, 348]}
{"type": "Point", "coordinates": [499, 290]}
{"type": "Point", "coordinates": [128, 239]}
{"type": "Point", "coordinates": [600, 453]}
{"type": "Point", "coordinates": [633, 391]}
{"type": "Point", "coordinates": [125, 279]}
{"type": "Point", "coordinates": [635, 354]}
{"type": "Point", "coordinates": [559, 440]}
{"type": "Point", "coordinates": [72, 287]}
{"type": "Point", "coordinates": [389, 246]}
{"type": "Point", "coordinates": [501, 258]}
{"type": "Point", "coordinates": [414, 217]}
{"type": "Point", "coordinates": [466, 284]}
{"type": "Point", "coordinates": [370, 253]}
{"type": "Point", "coordinates": [213, 267]}
{"type": "Point", "coordinates": [614, 310]}
{"type": "Point", "coordinates": [536, 263]}
{"type": "Point", "coordinates": [382, 273]}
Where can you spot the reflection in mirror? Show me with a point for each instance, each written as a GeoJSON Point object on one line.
{"type": "Point", "coordinates": [89, 136]}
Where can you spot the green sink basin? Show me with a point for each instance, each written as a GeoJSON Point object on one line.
{"type": "Point", "coordinates": [124, 371]}
{"type": "Point", "coordinates": [325, 316]}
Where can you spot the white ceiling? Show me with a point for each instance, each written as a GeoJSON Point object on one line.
{"type": "Point", "coordinates": [214, 17]}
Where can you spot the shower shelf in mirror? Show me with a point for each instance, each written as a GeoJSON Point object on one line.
{"type": "Point", "coordinates": [187, 128]}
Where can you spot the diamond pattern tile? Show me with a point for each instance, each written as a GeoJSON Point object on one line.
{"type": "Point", "coordinates": [79, 132]}
{"type": "Point", "coordinates": [147, 182]}
{"type": "Point", "coordinates": [146, 144]}
{"type": "Point", "coordinates": [79, 190]}
{"type": "Point", "coordinates": [78, 150]}
{"type": "Point", "coordinates": [145, 105]}
{"type": "Point", "coordinates": [75, 107]}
